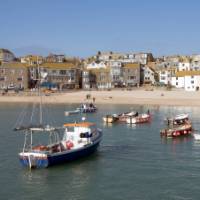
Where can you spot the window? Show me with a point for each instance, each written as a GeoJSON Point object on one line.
{"type": "Point", "coordinates": [2, 78]}
{"type": "Point", "coordinates": [19, 78]}
{"type": "Point", "coordinates": [62, 72]}
{"type": "Point", "coordinates": [132, 77]}
{"type": "Point", "coordinates": [72, 78]}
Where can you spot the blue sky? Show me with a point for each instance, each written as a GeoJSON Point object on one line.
{"type": "Point", "coordinates": [82, 27]}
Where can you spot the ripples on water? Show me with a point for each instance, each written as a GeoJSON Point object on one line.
{"type": "Point", "coordinates": [133, 162]}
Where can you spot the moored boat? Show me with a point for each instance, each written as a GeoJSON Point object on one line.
{"type": "Point", "coordinates": [177, 126]}
{"type": "Point", "coordinates": [141, 118]}
{"type": "Point", "coordinates": [79, 140]}
{"type": "Point", "coordinates": [181, 130]}
{"type": "Point", "coordinates": [87, 108]}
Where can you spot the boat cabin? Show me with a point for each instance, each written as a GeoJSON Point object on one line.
{"type": "Point", "coordinates": [178, 120]}
{"type": "Point", "coordinates": [78, 134]}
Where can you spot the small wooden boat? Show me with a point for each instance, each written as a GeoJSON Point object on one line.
{"type": "Point", "coordinates": [177, 126]}
{"type": "Point", "coordinates": [141, 118]}
{"type": "Point", "coordinates": [110, 118]}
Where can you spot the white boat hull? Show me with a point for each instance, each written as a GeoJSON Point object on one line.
{"type": "Point", "coordinates": [143, 118]}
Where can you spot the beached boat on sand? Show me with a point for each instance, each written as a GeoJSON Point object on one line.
{"type": "Point", "coordinates": [141, 118]}
{"type": "Point", "coordinates": [177, 126]}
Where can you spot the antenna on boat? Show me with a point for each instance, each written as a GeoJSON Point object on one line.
{"type": "Point", "coordinates": [39, 92]}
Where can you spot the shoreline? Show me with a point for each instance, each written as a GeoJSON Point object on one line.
{"type": "Point", "coordinates": [134, 97]}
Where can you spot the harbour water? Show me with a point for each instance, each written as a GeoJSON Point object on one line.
{"type": "Point", "coordinates": [133, 162]}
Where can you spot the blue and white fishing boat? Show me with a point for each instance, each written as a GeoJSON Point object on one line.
{"type": "Point", "coordinates": [78, 140]}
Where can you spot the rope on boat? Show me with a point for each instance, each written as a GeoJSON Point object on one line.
{"type": "Point", "coordinates": [21, 117]}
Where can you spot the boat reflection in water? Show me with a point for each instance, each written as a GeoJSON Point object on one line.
{"type": "Point", "coordinates": [176, 141]}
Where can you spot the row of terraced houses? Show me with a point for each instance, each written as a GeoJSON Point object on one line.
{"type": "Point", "coordinates": [105, 70]}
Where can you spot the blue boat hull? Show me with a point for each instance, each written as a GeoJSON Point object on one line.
{"type": "Point", "coordinates": [53, 160]}
{"type": "Point", "coordinates": [61, 157]}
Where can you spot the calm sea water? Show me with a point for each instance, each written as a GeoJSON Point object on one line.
{"type": "Point", "coordinates": [133, 162]}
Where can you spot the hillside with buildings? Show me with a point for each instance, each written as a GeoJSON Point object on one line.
{"type": "Point", "coordinates": [103, 71]}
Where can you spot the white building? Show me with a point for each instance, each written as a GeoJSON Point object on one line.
{"type": "Point", "coordinates": [189, 80]}
{"type": "Point", "coordinates": [195, 65]}
{"type": "Point", "coordinates": [148, 75]}
{"type": "Point", "coordinates": [142, 58]}
{"type": "Point", "coordinates": [183, 66]}
{"type": "Point", "coordinates": [165, 77]}
{"type": "Point", "coordinates": [178, 81]}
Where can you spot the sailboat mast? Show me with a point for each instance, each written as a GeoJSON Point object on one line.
{"type": "Point", "coordinates": [39, 93]}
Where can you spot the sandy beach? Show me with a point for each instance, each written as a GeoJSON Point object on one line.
{"type": "Point", "coordinates": [137, 97]}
